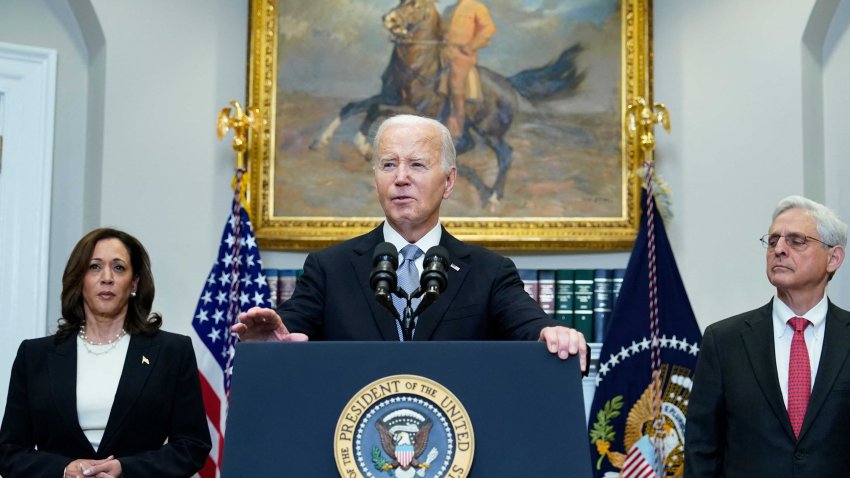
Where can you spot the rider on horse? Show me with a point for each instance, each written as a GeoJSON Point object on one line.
{"type": "Point", "coordinates": [467, 28]}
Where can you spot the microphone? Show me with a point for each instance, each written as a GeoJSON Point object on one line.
{"type": "Point", "coordinates": [434, 279]}
{"type": "Point", "coordinates": [383, 279]}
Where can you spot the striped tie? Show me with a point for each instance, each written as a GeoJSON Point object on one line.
{"type": "Point", "coordinates": [799, 375]}
{"type": "Point", "coordinates": [408, 279]}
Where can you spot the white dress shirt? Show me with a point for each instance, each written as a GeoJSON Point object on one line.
{"type": "Point", "coordinates": [429, 240]}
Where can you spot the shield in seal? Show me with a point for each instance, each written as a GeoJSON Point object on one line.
{"type": "Point", "coordinates": [404, 426]}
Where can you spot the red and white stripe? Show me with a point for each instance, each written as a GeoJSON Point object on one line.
{"type": "Point", "coordinates": [215, 405]}
{"type": "Point", "coordinates": [636, 466]}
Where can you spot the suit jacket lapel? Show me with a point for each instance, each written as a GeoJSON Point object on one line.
{"type": "Point", "coordinates": [459, 257]}
{"type": "Point", "coordinates": [62, 370]}
{"type": "Point", "coordinates": [141, 359]}
{"type": "Point", "coordinates": [361, 262]}
{"type": "Point", "coordinates": [759, 346]}
{"type": "Point", "coordinates": [836, 336]}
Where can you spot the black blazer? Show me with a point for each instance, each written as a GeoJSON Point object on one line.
{"type": "Point", "coordinates": [738, 425]}
{"type": "Point", "coordinates": [484, 298]}
{"type": "Point", "coordinates": [158, 398]}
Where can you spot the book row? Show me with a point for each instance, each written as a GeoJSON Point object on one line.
{"type": "Point", "coordinates": [281, 284]}
{"type": "Point", "coordinates": [580, 298]}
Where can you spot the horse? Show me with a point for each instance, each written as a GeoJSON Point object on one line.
{"type": "Point", "coordinates": [411, 81]}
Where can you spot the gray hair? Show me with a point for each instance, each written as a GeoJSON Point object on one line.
{"type": "Point", "coordinates": [447, 146]}
{"type": "Point", "coordinates": [831, 229]}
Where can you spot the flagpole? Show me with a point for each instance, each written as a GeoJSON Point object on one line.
{"type": "Point", "coordinates": [235, 284]}
{"type": "Point", "coordinates": [241, 121]}
{"type": "Point", "coordinates": [641, 118]}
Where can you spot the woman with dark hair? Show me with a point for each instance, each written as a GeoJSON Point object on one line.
{"type": "Point", "coordinates": [110, 394]}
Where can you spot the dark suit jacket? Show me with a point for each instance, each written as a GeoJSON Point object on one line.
{"type": "Point", "coordinates": [484, 298]}
{"type": "Point", "coordinates": [157, 399]}
{"type": "Point", "coordinates": [738, 425]}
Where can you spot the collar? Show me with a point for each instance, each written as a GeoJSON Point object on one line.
{"type": "Point", "coordinates": [429, 240]}
{"type": "Point", "coordinates": [781, 313]}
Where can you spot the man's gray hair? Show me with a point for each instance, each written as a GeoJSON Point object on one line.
{"type": "Point", "coordinates": [832, 230]}
{"type": "Point", "coordinates": [447, 145]}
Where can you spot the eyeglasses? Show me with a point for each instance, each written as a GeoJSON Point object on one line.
{"type": "Point", "coordinates": [795, 240]}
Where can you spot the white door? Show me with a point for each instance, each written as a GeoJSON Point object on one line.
{"type": "Point", "coordinates": [27, 98]}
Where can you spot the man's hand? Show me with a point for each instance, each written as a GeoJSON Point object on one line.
{"type": "Point", "coordinates": [565, 341]}
{"type": "Point", "coordinates": [263, 325]}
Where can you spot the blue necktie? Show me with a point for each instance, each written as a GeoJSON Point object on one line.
{"type": "Point", "coordinates": [408, 280]}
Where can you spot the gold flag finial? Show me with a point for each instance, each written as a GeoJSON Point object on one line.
{"type": "Point", "coordinates": [242, 122]}
{"type": "Point", "coordinates": [641, 118]}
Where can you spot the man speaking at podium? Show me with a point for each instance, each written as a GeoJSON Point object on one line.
{"type": "Point", "coordinates": [415, 168]}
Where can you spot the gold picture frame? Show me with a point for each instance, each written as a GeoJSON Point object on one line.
{"type": "Point", "coordinates": [614, 230]}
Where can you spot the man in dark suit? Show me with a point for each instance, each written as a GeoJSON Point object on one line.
{"type": "Point", "coordinates": [771, 392]}
{"type": "Point", "coordinates": [415, 170]}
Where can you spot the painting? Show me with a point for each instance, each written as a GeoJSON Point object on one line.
{"type": "Point", "coordinates": [543, 159]}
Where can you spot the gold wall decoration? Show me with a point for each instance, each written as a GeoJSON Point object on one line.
{"type": "Point", "coordinates": [570, 183]}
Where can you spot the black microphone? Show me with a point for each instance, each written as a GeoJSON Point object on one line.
{"type": "Point", "coordinates": [383, 279]}
{"type": "Point", "coordinates": [434, 279]}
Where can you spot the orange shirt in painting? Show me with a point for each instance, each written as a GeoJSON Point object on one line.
{"type": "Point", "coordinates": [468, 25]}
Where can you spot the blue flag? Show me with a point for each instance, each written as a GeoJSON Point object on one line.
{"type": "Point", "coordinates": [235, 284]}
{"type": "Point", "coordinates": [625, 437]}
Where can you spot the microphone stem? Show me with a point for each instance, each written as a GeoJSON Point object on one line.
{"type": "Point", "coordinates": [407, 322]}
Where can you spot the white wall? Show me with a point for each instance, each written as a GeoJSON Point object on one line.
{"type": "Point", "coordinates": [139, 88]}
{"type": "Point", "coordinates": [836, 104]}
{"type": "Point", "coordinates": [730, 72]}
{"type": "Point", "coordinates": [57, 30]}
{"type": "Point", "coordinates": [170, 67]}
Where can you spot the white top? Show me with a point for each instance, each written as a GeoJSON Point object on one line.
{"type": "Point", "coordinates": [98, 372]}
{"type": "Point", "coordinates": [429, 240]}
{"type": "Point", "coordinates": [783, 333]}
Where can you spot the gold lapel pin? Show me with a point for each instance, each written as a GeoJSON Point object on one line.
{"type": "Point", "coordinates": [145, 360]}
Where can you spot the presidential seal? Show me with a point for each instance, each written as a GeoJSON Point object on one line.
{"type": "Point", "coordinates": [404, 426]}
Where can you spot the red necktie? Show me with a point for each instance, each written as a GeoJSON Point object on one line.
{"type": "Point", "coordinates": [799, 375]}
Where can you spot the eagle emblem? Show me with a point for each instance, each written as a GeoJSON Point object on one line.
{"type": "Point", "coordinates": [639, 433]}
{"type": "Point", "coordinates": [404, 438]}
{"type": "Point", "coordinates": [399, 427]}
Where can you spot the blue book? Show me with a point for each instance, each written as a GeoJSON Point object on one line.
{"type": "Point", "coordinates": [271, 280]}
{"type": "Point", "coordinates": [285, 284]}
{"type": "Point", "coordinates": [529, 282]}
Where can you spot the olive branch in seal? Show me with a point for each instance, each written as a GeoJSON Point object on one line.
{"type": "Point", "coordinates": [602, 433]}
{"type": "Point", "coordinates": [379, 461]}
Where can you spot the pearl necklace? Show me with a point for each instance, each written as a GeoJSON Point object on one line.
{"type": "Point", "coordinates": [96, 348]}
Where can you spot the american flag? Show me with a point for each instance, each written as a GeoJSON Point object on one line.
{"type": "Point", "coordinates": [235, 284]}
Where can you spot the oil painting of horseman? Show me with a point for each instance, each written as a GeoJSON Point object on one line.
{"type": "Point", "coordinates": [540, 137]}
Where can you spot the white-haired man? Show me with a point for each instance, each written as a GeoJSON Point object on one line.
{"type": "Point", "coordinates": [771, 394]}
{"type": "Point", "coordinates": [415, 170]}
